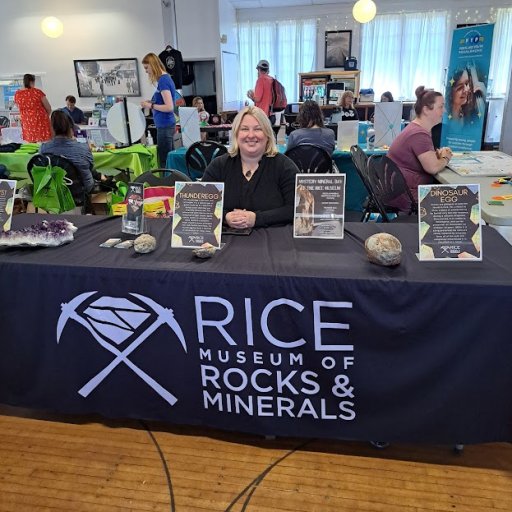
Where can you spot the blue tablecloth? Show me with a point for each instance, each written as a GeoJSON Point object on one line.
{"type": "Point", "coordinates": [355, 193]}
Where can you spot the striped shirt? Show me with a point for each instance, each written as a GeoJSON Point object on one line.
{"type": "Point", "coordinates": [77, 153]}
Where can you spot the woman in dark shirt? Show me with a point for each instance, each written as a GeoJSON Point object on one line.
{"type": "Point", "coordinates": [259, 181]}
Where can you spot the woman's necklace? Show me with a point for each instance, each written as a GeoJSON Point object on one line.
{"type": "Point", "coordinates": [248, 172]}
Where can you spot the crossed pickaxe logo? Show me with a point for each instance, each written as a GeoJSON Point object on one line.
{"type": "Point", "coordinates": [164, 316]}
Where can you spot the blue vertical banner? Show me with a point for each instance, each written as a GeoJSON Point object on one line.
{"type": "Point", "coordinates": [466, 88]}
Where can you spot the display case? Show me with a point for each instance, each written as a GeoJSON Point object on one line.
{"type": "Point", "coordinates": [317, 85]}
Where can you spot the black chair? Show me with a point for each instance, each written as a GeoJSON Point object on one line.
{"type": "Point", "coordinates": [290, 123]}
{"type": "Point", "coordinates": [387, 184]}
{"type": "Point", "coordinates": [75, 183]}
{"type": "Point", "coordinates": [200, 154]}
{"type": "Point", "coordinates": [360, 160]}
{"type": "Point", "coordinates": [311, 159]}
{"type": "Point", "coordinates": [162, 177]}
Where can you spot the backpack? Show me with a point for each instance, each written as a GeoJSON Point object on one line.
{"type": "Point", "coordinates": [279, 100]}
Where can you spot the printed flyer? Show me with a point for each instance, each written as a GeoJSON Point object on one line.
{"type": "Point", "coordinates": [319, 206]}
{"type": "Point", "coordinates": [449, 222]}
{"type": "Point", "coordinates": [198, 213]}
{"type": "Point", "coordinates": [7, 190]}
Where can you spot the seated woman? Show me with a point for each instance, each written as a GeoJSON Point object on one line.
{"type": "Point", "coordinates": [259, 181]}
{"type": "Point", "coordinates": [311, 131]}
{"type": "Point", "coordinates": [413, 150]}
{"type": "Point", "coordinates": [64, 144]}
{"type": "Point", "coordinates": [348, 111]}
{"type": "Point", "coordinates": [386, 97]}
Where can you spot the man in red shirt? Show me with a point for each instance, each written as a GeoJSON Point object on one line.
{"type": "Point", "coordinates": [262, 93]}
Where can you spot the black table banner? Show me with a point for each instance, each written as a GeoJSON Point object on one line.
{"type": "Point", "coordinates": [273, 335]}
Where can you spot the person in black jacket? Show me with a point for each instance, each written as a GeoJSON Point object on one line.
{"type": "Point", "coordinates": [259, 181]}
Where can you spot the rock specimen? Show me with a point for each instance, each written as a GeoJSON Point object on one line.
{"type": "Point", "coordinates": [383, 249]}
{"type": "Point", "coordinates": [46, 233]}
{"type": "Point", "coordinates": [205, 251]}
{"type": "Point", "coordinates": [144, 244]}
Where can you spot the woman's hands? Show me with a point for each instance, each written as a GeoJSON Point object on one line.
{"type": "Point", "coordinates": [146, 104]}
{"type": "Point", "coordinates": [241, 219]}
{"type": "Point", "coordinates": [444, 153]}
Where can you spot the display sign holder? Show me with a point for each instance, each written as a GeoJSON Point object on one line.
{"type": "Point", "coordinates": [133, 219]}
{"type": "Point", "coordinates": [198, 214]}
{"type": "Point", "coordinates": [319, 206]}
{"type": "Point", "coordinates": [449, 223]}
{"type": "Point", "coordinates": [7, 192]}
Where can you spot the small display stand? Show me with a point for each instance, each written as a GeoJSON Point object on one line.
{"type": "Point", "coordinates": [133, 219]}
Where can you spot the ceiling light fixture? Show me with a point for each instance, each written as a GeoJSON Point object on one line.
{"type": "Point", "coordinates": [52, 27]}
{"type": "Point", "coordinates": [364, 11]}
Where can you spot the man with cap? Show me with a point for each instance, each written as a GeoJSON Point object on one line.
{"type": "Point", "coordinates": [262, 93]}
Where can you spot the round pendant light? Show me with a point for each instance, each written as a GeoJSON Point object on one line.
{"type": "Point", "coordinates": [52, 27]}
{"type": "Point", "coordinates": [364, 11]}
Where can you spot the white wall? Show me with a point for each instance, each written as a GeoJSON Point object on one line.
{"type": "Point", "coordinates": [229, 66]}
{"type": "Point", "coordinates": [93, 29]}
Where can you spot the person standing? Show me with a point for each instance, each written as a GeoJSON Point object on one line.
{"type": "Point", "coordinates": [73, 111]}
{"type": "Point", "coordinates": [34, 111]}
{"type": "Point", "coordinates": [262, 93]}
{"type": "Point", "coordinates": [161, 105]}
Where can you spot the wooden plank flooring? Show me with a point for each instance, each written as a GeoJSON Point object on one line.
{"type": "Point", "coordinates": [75, 464]}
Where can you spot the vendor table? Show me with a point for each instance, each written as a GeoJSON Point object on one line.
{"type": "Point", "coordinates": [137, 158]}
{"type": "Point", "coordinates": [498, 216]}
{"type": "Point", "coordinates": [273, 335]}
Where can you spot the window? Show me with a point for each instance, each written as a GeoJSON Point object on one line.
{"type": "Point", "coordinates": [402, 51]}
{"type": "Point", "coordinates": [499, 73]}
{"type": "Point", "coordinates": [289, 47]}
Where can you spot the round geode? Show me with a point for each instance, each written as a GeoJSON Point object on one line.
{"type": "Point", "coordinates": [144, 244]}
{"type": "Point", "coordinates": [383, 249]}
{"type": "Point", "coordinates": [205, 251]}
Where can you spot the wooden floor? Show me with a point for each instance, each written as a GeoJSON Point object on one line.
{"type": "Point", "coordinates": [71, 464]}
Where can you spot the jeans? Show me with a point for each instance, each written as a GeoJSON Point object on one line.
{"type": "Point", "coordinates": [165, 143]}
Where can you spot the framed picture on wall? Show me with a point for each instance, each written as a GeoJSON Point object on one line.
{"type": "Point", "coordinates": [338, 47]}
{"type": "Point", "coordinates": [107, 77]}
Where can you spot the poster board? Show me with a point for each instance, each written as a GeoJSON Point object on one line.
{"type": "Point", "coordinates": [388, 122]}
{"type": "Point", "coordinates": [449, 223]}
{"type": "Point", "coordinates": [348, 135]}
{"type": "Point", "coordinates": [319, 206]}
{"type": "Point", "coordinates": [198, 214]}
{"type": "Point", "coordinates": [189, 123]}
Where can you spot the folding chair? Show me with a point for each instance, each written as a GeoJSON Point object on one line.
{"type": "Point", "coordinates": [162, 177]}
{"type": "Point", "coordinates": [200, 154]}
{"type": "Point", "coordinates": [388, 184]}
{"type": "Point", "coordinates": [311, 159]}
{"type": "Point", "coordinates": [76, 186]}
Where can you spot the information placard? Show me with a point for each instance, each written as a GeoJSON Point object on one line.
{"type": "Point", "coordinates": [7, 190]}
{"type": "Point", "coordinates": [319, 206]}
{"type": "Point", "coordinates": [449, 222]}
{"type": "Point", "coordinates": [198, 212]}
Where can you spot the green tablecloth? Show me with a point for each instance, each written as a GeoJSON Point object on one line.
{"type": "Point", "coordinates": [137, 158]}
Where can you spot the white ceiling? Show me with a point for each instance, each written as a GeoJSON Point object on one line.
{"type": "Point", "coordinates": [255, 4]}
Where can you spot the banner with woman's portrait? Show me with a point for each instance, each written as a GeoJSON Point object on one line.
{"type": "Point", "coordinates": [466, 88]}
